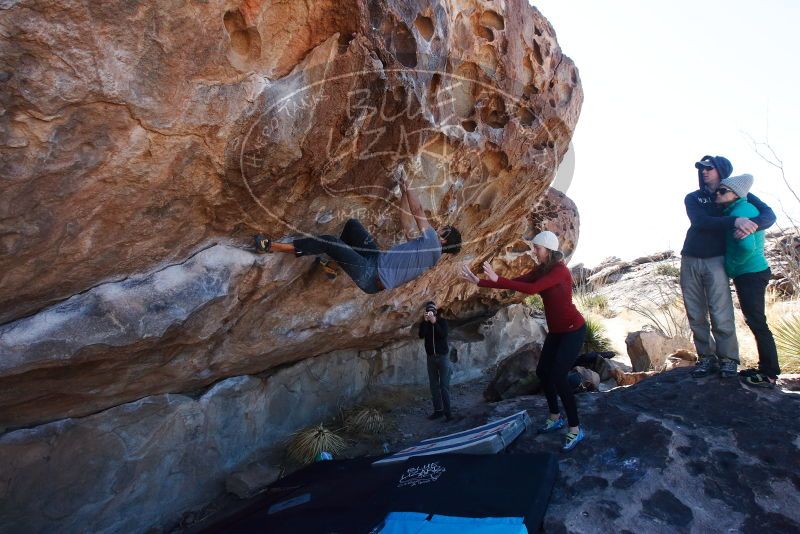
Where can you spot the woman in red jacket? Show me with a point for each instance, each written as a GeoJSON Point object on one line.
{"type": "Point", "coordinates": [566, 327]}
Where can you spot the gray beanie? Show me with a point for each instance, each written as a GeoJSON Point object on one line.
{"type": "Point", "coordinates": [740, 184]}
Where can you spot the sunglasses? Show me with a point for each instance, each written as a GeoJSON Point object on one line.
{"type": "Point", "coordinates": [723, 191]}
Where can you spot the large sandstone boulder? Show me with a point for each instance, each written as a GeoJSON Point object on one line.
{"type": "Point", "coordinates": [142, 144]}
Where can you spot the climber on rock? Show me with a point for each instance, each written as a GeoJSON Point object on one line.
{"type": "Point", "coordinates": [358, 255]}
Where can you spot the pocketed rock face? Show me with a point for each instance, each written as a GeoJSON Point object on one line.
{"type": "Point", "coordinates": [142, 144]}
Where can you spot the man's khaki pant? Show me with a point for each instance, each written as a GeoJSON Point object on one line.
{"type": "Point", "coordinates": [707, 294]}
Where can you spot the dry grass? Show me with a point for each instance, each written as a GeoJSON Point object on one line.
{"type": "Point", "coordinates": [787, 338]}
{"type": "Point", "coordinates": [663, 309]}
{"type": "Point", "coordinates": [366, 421]}
{"type": "Point", "coordinates": [779, 312]}
{"type": "Point", "coordinates": [594, 303]}
{"type": "Point", "coordinates": [589, 300]}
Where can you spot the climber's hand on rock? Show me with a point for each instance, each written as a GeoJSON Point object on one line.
{"type": "Point", "coordinates": [403, 183]}
{"type": "Point", "coordinates": [468, 275]}
{"type": "Point", "coordinates": [490, 274]}
{"type": "Point", "coordinates": [400, 178]}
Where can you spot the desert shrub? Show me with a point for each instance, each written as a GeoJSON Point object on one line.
{"type": "Point", "coordinates": [307, 443]}
{"type": "Point", "coordinates": [534, 302]}
{"type": "Point", "coordinates": [596, 336]}
{"type": "Point", "coordinates": [596, 303]}
{"type": "Point", "coordinates": [667, 269]}
{"type": "Point", "coordinates": [787, 338]}
{"type": "Point", "coordinates": [590, 301]}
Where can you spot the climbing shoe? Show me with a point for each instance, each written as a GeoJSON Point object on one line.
{"type": "Point", "coordinates": [704, 366]}
{"type": "Point", "coordinates": [760, 380]}
{"type": "Point", "coordinates": [551, 425]}
{"type": "Point", "coordinates": [327, 267]}
{"type": "Point", "coordinates": [263, 244]}
{"type": "Point", "coordinates": [572, 439]}
{"type": "Point", "coordinates": [436, 415]}
{"type": "Point", "coordinates": [727, 367]}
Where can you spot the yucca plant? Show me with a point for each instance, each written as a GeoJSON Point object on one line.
{"type": "Point", "coordinates": [596, 337]}
{"type": "Point", "coordinates": [307, 443]}
{"type": "Point", "coordinates": [366, 420]}
{"type": "Point", "coordinates": [787, 338]}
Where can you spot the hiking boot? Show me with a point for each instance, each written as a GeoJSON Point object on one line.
{"type": "Point", "coordinates": [436, 415]}
{"type": "Point", "coordinates": [759, 380]}
{"type": "Point", "coordinates": [263, 244]}
{"type": "Point", "coordinates": [727, 367]}
{"type": "Point", "coordinates": [551, 425]}
{"type": "Point", "coordinates": [748, 372]}
{"type": "Point", "coordinates": [704, 366]}
{"type": "Point", "coordinates": [572, 439]}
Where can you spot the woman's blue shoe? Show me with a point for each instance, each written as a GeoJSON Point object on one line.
{"type": "Point", "coordinates": [551, 425]}
{"type": "Point", "coordinates": [572, 439]}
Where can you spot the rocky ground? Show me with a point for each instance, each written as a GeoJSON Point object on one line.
{"type": "Point", "coordinates": [670, 454]}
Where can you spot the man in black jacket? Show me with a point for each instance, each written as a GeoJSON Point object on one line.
{"type": "Point", "coordinates": [704, 283]}
{"type": "Point", "coordinates": [433, 330]}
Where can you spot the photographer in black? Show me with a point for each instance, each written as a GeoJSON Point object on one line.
{"type": "Point", "coordinates": [433, 330]}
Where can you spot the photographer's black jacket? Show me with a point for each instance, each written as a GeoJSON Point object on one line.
{"type": "Point", "coordinates": [435, 335]}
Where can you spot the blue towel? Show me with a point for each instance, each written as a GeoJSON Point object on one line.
{"type": "Point", "coordinates": [418, 523]}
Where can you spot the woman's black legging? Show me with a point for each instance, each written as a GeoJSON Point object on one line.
{"type": "Point", "coordinates": [559, 353]}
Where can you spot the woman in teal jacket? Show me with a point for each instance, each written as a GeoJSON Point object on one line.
{"type": "Point", "coordinates": [746, 264]}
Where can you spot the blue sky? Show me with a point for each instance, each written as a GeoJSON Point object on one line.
{"type": "Point", "coordinates": [666, 83]}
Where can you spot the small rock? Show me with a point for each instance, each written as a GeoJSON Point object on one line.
{"type": "Point", "coordinates": [648, 351]}
{"type": "Point", "coordinates": [516, 375]}
{"type": "Point", "coordinates": [251, 480]}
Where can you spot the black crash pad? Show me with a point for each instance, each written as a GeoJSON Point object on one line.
{"type": "Point", "coordinates": [350, 496]}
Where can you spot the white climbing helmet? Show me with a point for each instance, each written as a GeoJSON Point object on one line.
{"type": "Point", "coordinates": [546, 239]}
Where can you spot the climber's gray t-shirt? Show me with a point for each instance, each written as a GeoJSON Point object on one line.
{"type": "Point", "coordinates": [406, 261]}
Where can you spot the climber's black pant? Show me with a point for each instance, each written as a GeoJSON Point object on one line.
{"type": "Point", "coordinates": [751, 288]}
{"type": "Point", "coordinates": [559, 353]}
{"type": "Point", "coordinates": [355, 251]}
{"type": "Point", "coordinates": [439, 372]}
